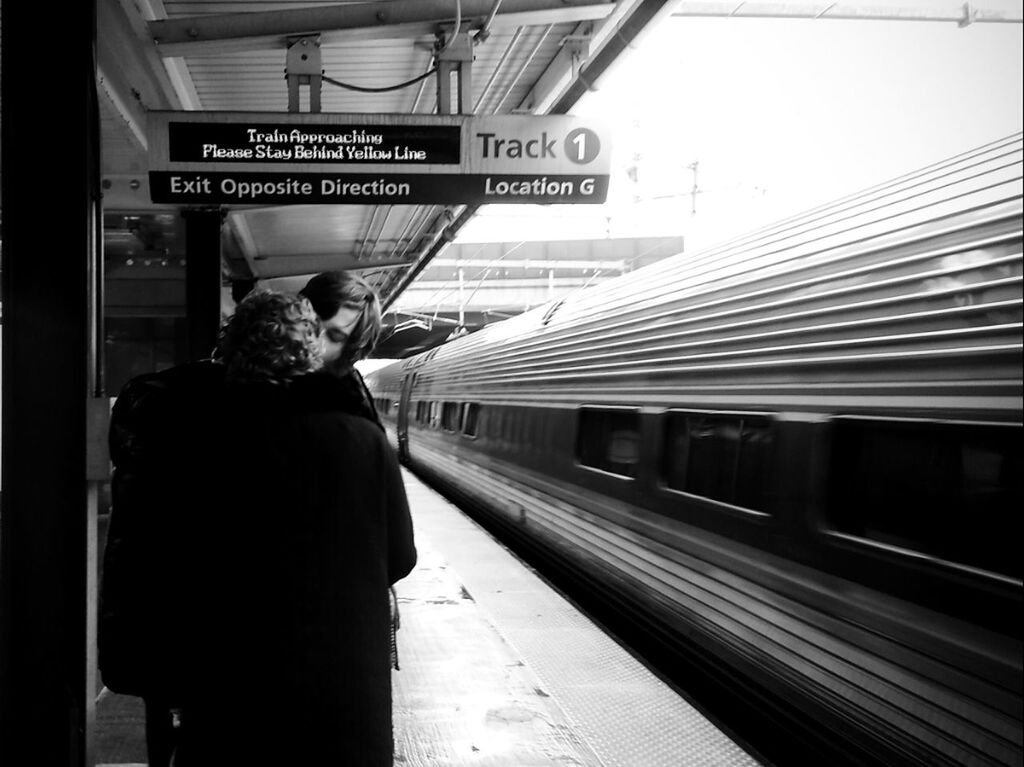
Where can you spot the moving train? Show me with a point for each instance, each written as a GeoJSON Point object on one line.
{"type": "Point", "coordinates": [798, 455]}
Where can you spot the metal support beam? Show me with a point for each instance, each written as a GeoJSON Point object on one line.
{"type": "Point", "coordinates": [440, 239]}
{"type": "Point", "coordinates": [304, 67]}
{"type": "Point", "coordinates": [285, 266]}
{"type": "Point", "coordinates": [960, 13]}
{"type": "Point", "coordinates": [644, 17]}
{"type": "Point", "coordinates": [455, 57]}
{"type": "Point", "coordinates": [369, 20]}
{"type": "Point", "coordinates": [47, 520]}
{"type": "Point", "coordinates": [202, 279]}
{"type": "Point", "coordinates": [132, 68]}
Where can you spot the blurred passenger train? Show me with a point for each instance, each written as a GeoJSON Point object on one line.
{"type": "Point", "coordinates": [798, 455]}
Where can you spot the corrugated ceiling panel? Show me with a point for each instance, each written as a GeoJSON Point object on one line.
{"type": "Point", "coordinates": [254, 80]}
{"type": "Point", "coordinates": [321, 229]}
{"type": "Point", "coordinates": [527, 60]}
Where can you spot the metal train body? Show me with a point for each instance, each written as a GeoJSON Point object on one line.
{"type": "Point", "coordinates": [799, 453]}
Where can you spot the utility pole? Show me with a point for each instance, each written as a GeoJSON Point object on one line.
{"type": "Point", "coordinates": [693, 192]}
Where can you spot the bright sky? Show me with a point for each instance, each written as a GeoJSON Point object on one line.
{"type": "Point", "coordinates": [780, 116]}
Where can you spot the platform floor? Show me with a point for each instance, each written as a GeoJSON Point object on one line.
{"type": "Point", "coordinates": [499, 670]}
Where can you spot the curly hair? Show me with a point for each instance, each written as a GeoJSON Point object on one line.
{"type": "Point", "coordinates": [271, 337]}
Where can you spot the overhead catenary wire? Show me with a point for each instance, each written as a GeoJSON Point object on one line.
{"type": "Point", "coordinates": [444, 291]}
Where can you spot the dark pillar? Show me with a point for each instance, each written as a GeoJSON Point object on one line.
{"type": "Point", "coordinates": [49, 203]}
{"type": "Point", "coordinates": [202, 279]}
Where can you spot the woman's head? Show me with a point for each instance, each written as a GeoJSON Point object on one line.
{"type": "Point", "coordinates": [349, 312]}
{"type": "Point", "coordinates": [271, 337]}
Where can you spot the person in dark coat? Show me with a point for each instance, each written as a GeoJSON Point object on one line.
{"type": "Point", "coordinates": [158, 475]}
{"type": "Point", "coordinates": [350, 324]}
{"type": "Point", "coordinates": [305, 528]}
{"type": "Point", "coordinates": [153, 425]}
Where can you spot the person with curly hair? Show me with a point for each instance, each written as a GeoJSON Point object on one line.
{"type": "Point", "coordinates": [271, 338]}
{"type": "Point", "coordinates": [305, 528]}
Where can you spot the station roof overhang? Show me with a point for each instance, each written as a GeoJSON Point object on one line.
{"type": "Point", "coordinates": [528, 57]}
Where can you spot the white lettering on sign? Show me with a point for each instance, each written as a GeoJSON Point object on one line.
{"type": "Point", "coordinates": [358, 188]}
{"type": "Point", "coordinates": [582, 146]}
{"type": "Point", "coordinates": [295, 136]}
{"type": "Point", "coordinates": [367, 153]}
{"type": "Point", "coordinates": [264, 152]}
{"type": "Point", "coordinates": [253, 189]}
{"type": "Point", "coordinates": [537, 186]}
{"type": "Point", "coordinates": [300, 152]}
{"type": "Point", "coordinates": [214, 152]}
{"type": "Point", "coordinates": [197, 185]}
{"type": "Point", "coordinates": [405, 153]}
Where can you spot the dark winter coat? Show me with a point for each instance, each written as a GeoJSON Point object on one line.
{"type": "Point", "coordinates": [155, 451]}
{"type": "Point", "coordinates": [305, 527]}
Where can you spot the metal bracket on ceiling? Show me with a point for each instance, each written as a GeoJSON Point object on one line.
{"type": "Point", "coordinates": [304, 66]}
{"type": "Point", "coordinates": [578, 48]}
{"type": "Point", "coordinates": [455, 56]}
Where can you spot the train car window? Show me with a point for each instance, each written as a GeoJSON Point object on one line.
{"type": "Point", "coordinates": [435, 414]}
{"type": "Point", "coordinates": [450, 412]}
{"type": "Point", "coordinates": [948, 490]}
{"type": "Point", "coordinates": [724, 457]}
{"type": "Point", "coordinates": [470, 416]}
{"type": "Point", "coordinates": [609, 440]}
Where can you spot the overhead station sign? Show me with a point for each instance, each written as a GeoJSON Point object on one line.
{"type": "Point", "coordinates": [249, 158]}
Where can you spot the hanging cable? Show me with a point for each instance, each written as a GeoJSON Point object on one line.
{"type": "Point", "coordinates": [485, 30]}
{"type": "Point", "coordinates": [384, 89]}
{"type": "Point", "coordinates": [458, 26]}
{"type": "Point", "coordinates": [413, 81]}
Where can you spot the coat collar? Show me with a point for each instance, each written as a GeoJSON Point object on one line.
{"type": "Point", "coordinates": [323, 392]}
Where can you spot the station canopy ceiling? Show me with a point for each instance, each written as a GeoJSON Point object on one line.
{"type": "Point", "coordinates": [528, 57]}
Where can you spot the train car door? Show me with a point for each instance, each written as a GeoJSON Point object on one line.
{"type": "Point", "coordinates": [403, 415]}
